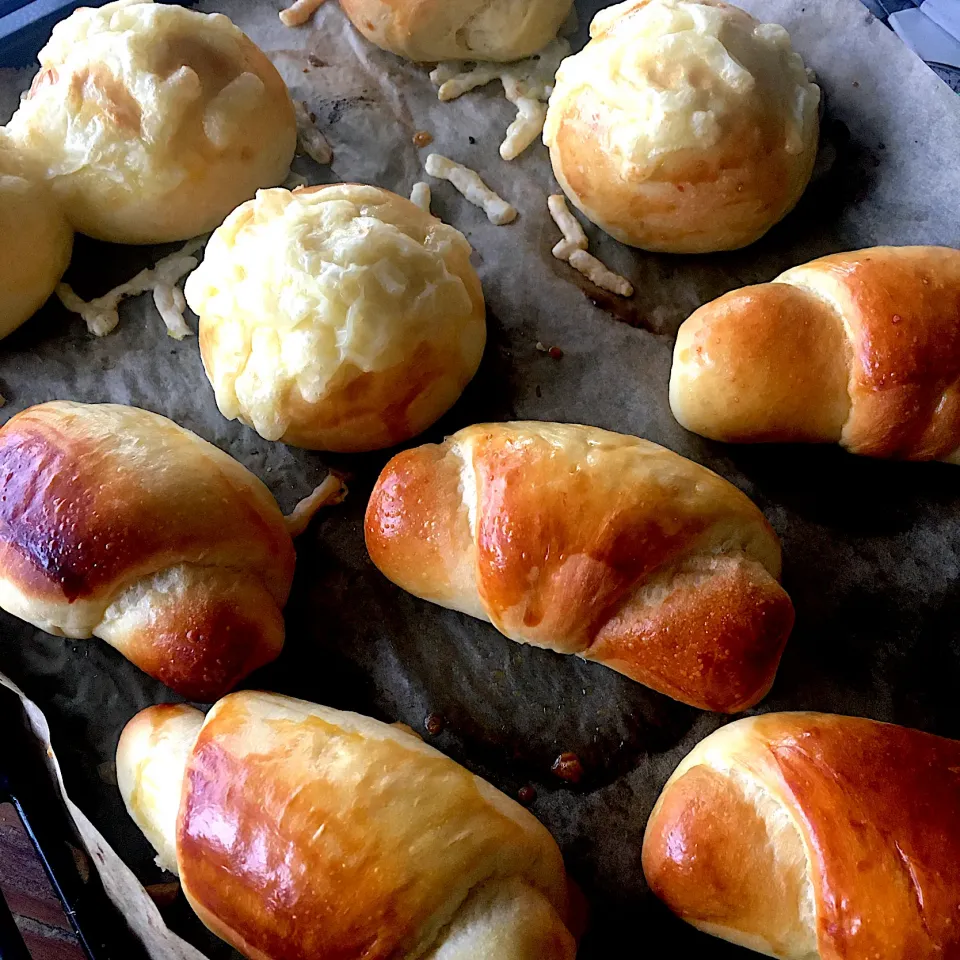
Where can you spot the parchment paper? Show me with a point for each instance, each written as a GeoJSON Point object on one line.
{"type": "Point", "coordinates": [870, 548]}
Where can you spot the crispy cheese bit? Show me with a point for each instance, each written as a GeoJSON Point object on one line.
{"type": "Point", "coordinates": [420, 195]}
{"type": "Point", "coordinates": [474, 190]}
{"type": "Point", "coordinates": [573, 236]}
{"type": "Point", "coordinates": [103, 314]}
{"type": "Point", "coordinates": [331, 492]}
{"type": "Point", "coordinates": [599, 275]}
{"type": "Point", "coordinates": [445, 71]}
{"type": "Point", "coordinates": [460, 83]}
{"type": "Point", "coordinates": [527, 84]}
{"type": "Point", "coordinates": [309, 138]}
{"type": "Point", "coordinates": [531, 115]}
{"type": "Point", "coordinates": [298, 13]}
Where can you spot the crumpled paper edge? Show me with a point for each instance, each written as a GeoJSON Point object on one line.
{"type": "Point", "coordinates": [119, 881]}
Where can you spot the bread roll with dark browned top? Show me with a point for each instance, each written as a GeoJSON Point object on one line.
{"type": "Point", "coordinates": [860, 348]}
{"type": "Point", "coordinates": [304, 833]}
{"type": "Point", "coordinates": [593, 543]}
{"type": "Point", "coordinates": [117, 523]}
{"type": "Point", "coordinates": [806, 835]}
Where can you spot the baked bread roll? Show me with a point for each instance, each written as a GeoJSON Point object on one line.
{"type": "Point", "coordinates": [807, 836]}
{"type": "Point", "coordinates": [338, 317]}
{"type": "Point", "coordinates": [117, 523]}
{"type": "Point", "coordinates": [301, 831]}
{"type": "Point", "coordinates": [593, 543]}
{"type": "Point", "coordinates": [684, 126]}
{"type": "Point", "coordinates": [35, 239]}
{"type": "Point", "coordinates": [431, 30]}
{"type": "Point", "coordinates": [153, 121]}
{"type": "Point", "coordinates": [861, 349]}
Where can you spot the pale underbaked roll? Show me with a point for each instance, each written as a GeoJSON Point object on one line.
{"type": "Point", "coordinates": [35, 239]}
{"type": "Point", "coordinates": [861, 349]}
{"type": "Point", "coordinates": [430, 30]}
{"type": "Point", "coordinates": [338, 317]}
{"type": "Point", "coordinates": [305, 833]}
{"type": "Point", "coordinates": [808, 836]}
{"type": "Point", "coordinates": [684, 126]}
{"type": "Point", "coordinates": [153, 121]}
{"type": "Point", "coordinates": [593, 543]}
{"type": "Point", "coordinates": [117, 523]}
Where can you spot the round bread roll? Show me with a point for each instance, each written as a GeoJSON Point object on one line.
{"type": "Point", "coordinates": [35, 239]}
{"type": "Point", "coordinates": [154, 121]}
{"type": "Point", "coordinates": [430, 30]}
{"type": "Point", "coordinates": [684, 126]}
{"type": "Point", "coordinates": [337, 317]}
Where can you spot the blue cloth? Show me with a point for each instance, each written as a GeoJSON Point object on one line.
{"type": "Point", "coordinates": [882, 9]}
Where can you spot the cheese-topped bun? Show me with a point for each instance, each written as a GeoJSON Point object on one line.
{"type": "Point", "coordinates": [684, 126]}
{"type": "Point", "coordinates": [154, 121]}
{"type": "Point", "coordinates": [429, 30]}
{"type": "Point", "coordinates": [338, 317]}
{"type": "Point", "coordinates": [35, 239]}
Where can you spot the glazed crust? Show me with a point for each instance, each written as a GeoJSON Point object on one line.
{"type": "Point", "coordinates": [860, 348]}
{"type": "Point", "coordinates": [592, 543]}
{"type": "Point", "coordinates": [872, 809]}
{"type": "Point", "coordinates": [431, 30]}
{"type": "Point", "coordinates": [117, 523]}
{"type": "Point", "coordinates": [310, 834]}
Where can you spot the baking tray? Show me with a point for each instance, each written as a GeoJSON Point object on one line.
{"type": "Point", "coordinates": [870, 548]}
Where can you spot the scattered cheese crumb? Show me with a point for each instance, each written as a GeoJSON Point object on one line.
{"type": "Point", "coordinates": [312, 142]}
{"type": "Point", "coordinates": [474, 190]}
{"type": "Point", "coordinates": [599, 275]}
{"type": "Point", "coordinates": [527, 84]}
{"type": "Point", "coordinates": [299, 12]}
{"type": "Point", "coordinates": [573, 249]}
{"type": "Point", "coordinates": [102, 314]}
{"type": "Point", "coordinates": [573, 236]}
{"type": "Point", "coordinates": [331, 492]}
{"type": "Point", "coordinates": [420, 195]}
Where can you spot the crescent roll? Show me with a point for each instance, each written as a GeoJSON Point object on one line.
{"type": "Point", "coordinates": [683, 126]}
{"type": "Point", "coordinates": [807, 836]}
{"type": "Point", "coordinates": [861, 349]}
{"type": "Point", "coordinates": [431, 30]}
{"type": "Point", "coordinates": [119, 524]}
{"type": "Point", "coordinates": [304, 833]}
{"type": "Point", "coordinates": [592, 543]}
{"type": "Point", "coordinates": [152, 121]}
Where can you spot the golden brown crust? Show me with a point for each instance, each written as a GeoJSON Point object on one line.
{"type": "Point", "coordinates": [860, 347]}
{"type": "Point", "coordinates": [307, 834]}
{"type": "Point", "coordinates": [593, 543]}
{"type": "Point", "coordinates": [683, 128]}
{"type": "Point", "coordinates": [691, 203]}
{"type": "Point", "coordinates": [764, 363]}
{"type": "Point", "coordinates": [119, 523]}
{"type": "Point", "coordinates": [715, 641]}
{"type": "Point", "coordinates": [431, 30]}
{"type": "Point", "coordinates": [704, 855]}
{"type": "Point", "coordinates": [877, 808]}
